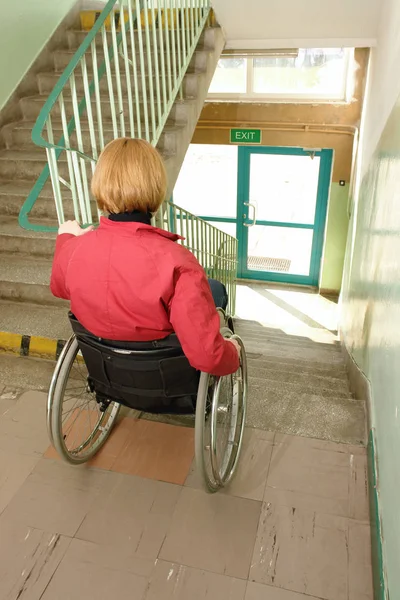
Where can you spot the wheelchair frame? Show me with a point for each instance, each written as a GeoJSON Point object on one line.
{"type": "Point", "coordinates": [218, 442]}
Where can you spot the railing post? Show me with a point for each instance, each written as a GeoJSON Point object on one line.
{"type": "Point", "coordinates": [97, 94]}
{"type": "Point", "coordinates": [162, 56]}
{"type": "Point", "coordinates": [167, 21]}
{"type": "Point", "coordinates": [127, 70]}
{"type": "Point", "coordinates": [110, 83]}
{"type": "Point", "coordinates": [135, 76]}
{"type": "Point", "coordinates": [64, 123]}
{"type": "Point", "coordinates": [156, 64]}
{"type": "Point", "coordinates": [118, 76]}
{"type": "Point", "coordinates": [150, 74]}
{"type": "Point", "coordinates": [85, 184]}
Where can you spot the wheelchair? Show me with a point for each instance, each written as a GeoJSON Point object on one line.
{"type": "Point", "coordinates": [94, 377]}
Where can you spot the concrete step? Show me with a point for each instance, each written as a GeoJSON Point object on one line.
{"type": "Point", "coordinates": [318, 383]}
{"type": "Point", "coordinates": [19, 134]}
{"type": "Point", "coordinates": [206, 41]}
{"type": "Point", "coordinates": [14, 193]}
{"type": "Point", "coordinates": [290, 363]}
{"type": "Point", "coordinates": [25, 279]}
{"type": "Point", "coordinates": [258, 385]}
{"type": "Point", "coordinates": [336, 419]}
{"type": "Point", "coordinates": [15, 240]}
{"type": "Point", "coordinates": [285, 339]}
{"type": "Point", "coordinates": [21, 373]}
{"type": "Point", "coordinates": [31, 106]}
{"type": "Point", "coordinates": [35, 319]}
{"type": "Point", "coordinates": [62, 58]}
{"type": "Point", "coordinates": [47, 81]}
{"type": "Point", "coordinates": [28, 162]}
{"type": "Point", "coordinates": [314, 354]}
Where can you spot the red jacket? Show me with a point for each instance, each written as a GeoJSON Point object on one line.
{"type": "Point", "coordinates": [128, 281]}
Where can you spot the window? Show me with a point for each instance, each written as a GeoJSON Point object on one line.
{"type": "Point", "coordinates": [207, 181]}
{"type": "Point", "coordinates": [304, 74]}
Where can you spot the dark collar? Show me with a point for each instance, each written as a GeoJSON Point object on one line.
{"type": "Point", "coordinates": [132, 217]}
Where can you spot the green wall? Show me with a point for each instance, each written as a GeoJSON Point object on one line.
{"type": "Point", "coordinates": [335, 240]}
{"type": "Point", "coordinates": [370, 322]}
{"type": "Point", "coordinates": [26, 26]}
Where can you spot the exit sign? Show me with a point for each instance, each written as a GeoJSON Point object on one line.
{"type": "Point", "coordinates": [245, 136]}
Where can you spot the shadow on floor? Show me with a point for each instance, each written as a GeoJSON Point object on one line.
{"type": "Point", "coordinates": [292, 310]}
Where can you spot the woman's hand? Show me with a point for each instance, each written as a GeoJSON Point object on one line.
{"type": "Point", "coordinates": [73, 228]}
{"type": "Point", "coordinates": [236, 344]}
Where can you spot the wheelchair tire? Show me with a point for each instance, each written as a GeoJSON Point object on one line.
{"type": "Point", "coordinates": [69, 416]}
{"type": "Point", "coordinates": [218, 440]}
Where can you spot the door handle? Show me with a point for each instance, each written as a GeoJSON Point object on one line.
{"type": "Point", "coordinates": [254, 215]}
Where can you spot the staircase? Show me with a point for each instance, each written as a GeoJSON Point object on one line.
{"type": "Point", "coordinates": [26, 304]}
{"type": "Point", "coordinates": [299, 386]}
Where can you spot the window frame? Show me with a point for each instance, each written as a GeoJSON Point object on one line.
{"type": "Point", "coordinates": [251, 96]}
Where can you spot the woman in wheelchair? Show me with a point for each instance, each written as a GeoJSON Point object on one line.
{"type": "Point", "coordinates": [129, 281]}
{"type": "Point", "coordinates": [147, 332]}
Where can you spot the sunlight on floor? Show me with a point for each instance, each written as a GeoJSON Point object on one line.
{"type": "Point", "coordinates": [293, 311]}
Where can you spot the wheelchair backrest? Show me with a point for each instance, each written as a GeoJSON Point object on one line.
{"type": "Point", "coordinates": [142, 375]}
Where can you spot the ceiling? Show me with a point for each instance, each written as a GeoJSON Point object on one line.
{"type": "Point", "coordinates": [298, 23]}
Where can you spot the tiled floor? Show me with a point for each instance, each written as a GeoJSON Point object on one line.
{"type": "Point", "coordinates": [292, 526]}
{"type": "Point", "coordinates": [136, 524]}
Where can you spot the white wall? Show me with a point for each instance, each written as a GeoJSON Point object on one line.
{"type": "Point", "coordinates": [26, 28]}
{"type": "Point", "coordinates": [370, 315]}
{"type": "Point", "coordinates": [384, 78]}
{"type": "Point", "coordinates": [296, 23]}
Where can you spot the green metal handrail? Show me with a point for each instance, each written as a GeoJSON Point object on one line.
{"type": "Point", "coordinates": [215, 250]}
{"type": "Point", "coordinates": [157, 38]}
{"type": "Point", "coordinates": [158, 45]}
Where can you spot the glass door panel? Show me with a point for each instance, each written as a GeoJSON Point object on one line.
{"type": "Point", "coordinates": [207, 182]}
{"type": "Point", "coordinates": [279, 250]}
{"type": "Point", "coordinates": [282, 197]}
{"type": "Point", "coordinates": [284, 188]}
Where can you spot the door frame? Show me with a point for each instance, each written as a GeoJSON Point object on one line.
{"type": "Point", "coordinates": [243, 188]}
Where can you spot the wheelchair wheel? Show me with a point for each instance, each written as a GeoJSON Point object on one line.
{"type": "Point", "coordinates": [220, 421]}
{"type": "Point", "coordinates": [77, 425]}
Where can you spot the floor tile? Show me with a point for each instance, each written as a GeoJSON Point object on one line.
{"type": "Point", "coordinates": [212, 532]}
{"type": "Point", "coordinates": [251, 476]}
{"type": "Point", "coordinates": [112, 449]}
{"type": "Point", "coordinates": [109, 557]}
{"type": "Point", "coordinates": [28, 559]}
{"type": "Point", "coordinates": [6, 405]}
{"type": "Point", "coordinates": [302, 551]}
{"type": "Point", "coordinates": [156, 451]}
{"type": "Point", "coordinates": [176, 582]}
{"type": "Point", "coordinates": [23, 427]}
{"type": "Point", "coordinates": [360, 570]}
{"type": "Point", "coordinates": [257, 591]}
{"type": "Point", "coordinates": [133, 514]}
{"type": "Point", "coordinates": [56, 497]}
{"type": "Point", "coordinates": [81, 576]}
{"type": "Point", "coordinates": [358, 489]}
{"type": "Point", "coordinates": [106, 456]}
{"type": "Point", "coordinates": [300, 442]}
{"type": "Point", "coordinates": [14, 469]}
{"type": "Point", "coordinates": [319, 479]}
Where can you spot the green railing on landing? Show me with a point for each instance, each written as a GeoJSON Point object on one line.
{"type": "Point", "coordinates": [215, 250]}
{"type": "Point", "coordinates": [123, 80]}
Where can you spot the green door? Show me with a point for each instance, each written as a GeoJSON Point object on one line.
{"type": "Point", "coordinates": [281, 213]}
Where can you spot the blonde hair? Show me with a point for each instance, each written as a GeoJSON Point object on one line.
{"type": "Point", "coordinates": [130, 175]}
